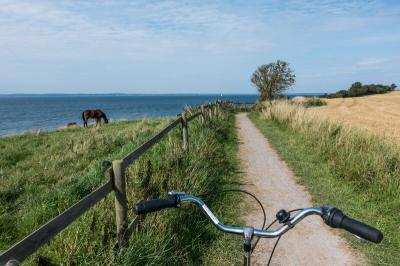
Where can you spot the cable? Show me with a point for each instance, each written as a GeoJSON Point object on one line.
{"type": "Point", "coordinates": [242, 191]}
{"type": "Point", "coordinates": [258, 238]}
{"type": "Point", "coordinates": [273, 250]}
{"type": "Point", "coordinates": [265, 218]}
{"type": "Point", "coordinates": [277, 240]}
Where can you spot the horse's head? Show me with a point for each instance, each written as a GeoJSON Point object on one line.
{"type": "Point", "coordinates": [104, 117]}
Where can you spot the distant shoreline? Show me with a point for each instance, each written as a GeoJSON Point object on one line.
{"type": "Point", "coordinates": [51, 111]}
{"type": "Point", "coordinates": [122, 94]}
{"type": "Point", "coordinates": [22, 113]}
{"type": "Point", "coordinates": [149, 95]}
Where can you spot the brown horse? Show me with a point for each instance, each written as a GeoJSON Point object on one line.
{"type": "Point", "coordinates": [95, 114]}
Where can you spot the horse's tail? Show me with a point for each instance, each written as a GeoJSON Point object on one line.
{"type": "Point", "coordinates": [83, 116]}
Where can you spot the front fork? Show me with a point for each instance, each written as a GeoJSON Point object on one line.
{"type": "Point", "coordinates": [248, 236]}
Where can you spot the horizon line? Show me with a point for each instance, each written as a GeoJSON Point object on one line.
{"type": "Point", "coordinates": [144, 94]}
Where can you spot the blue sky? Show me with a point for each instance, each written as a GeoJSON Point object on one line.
{"type": "Point", "coordinates": [194, 46]}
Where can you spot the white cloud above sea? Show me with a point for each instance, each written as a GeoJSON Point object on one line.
{"type": "Point", "coordinates": [191, 46]}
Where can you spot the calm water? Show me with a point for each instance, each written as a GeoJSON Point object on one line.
{"type": "Point", "coordinates": [19, 113]}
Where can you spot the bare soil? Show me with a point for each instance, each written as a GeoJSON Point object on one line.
{"type": "Point", "coordinates": [269, 178]}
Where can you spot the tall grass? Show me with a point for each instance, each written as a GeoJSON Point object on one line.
{"type": "Point", "coordinates": [42, 175]}
{"type": "Point", "coordinates": [351, 168]}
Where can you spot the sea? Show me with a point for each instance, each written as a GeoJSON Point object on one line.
{"type": "Point", "coordinates": [21, 113]}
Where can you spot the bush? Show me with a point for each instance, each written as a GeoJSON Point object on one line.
{"type": "Point", "coordinates": [314, 101]}
{"type": "Point", "coordinates": [357, 89]}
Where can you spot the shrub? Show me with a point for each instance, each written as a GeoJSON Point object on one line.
{"type": "Point", "coordinates": [357, 89]}
{"type": "Point", "coordinates": [314, 101]}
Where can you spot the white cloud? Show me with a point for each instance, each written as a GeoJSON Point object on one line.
{"type": "Point", "coordinates": [135, 28]}
{"type": "Point", "coordinates": [370, 62]}
{"type": "Point", "coordinates": [189, 36]}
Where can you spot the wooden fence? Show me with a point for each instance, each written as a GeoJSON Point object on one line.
{"type": "Point", "coordinates": [116, 182]}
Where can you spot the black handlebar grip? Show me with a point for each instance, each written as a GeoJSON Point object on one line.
{"type": "Point", "coordinates": [153, 205]}
{"type": "Point", "coordinates": [337, 219]}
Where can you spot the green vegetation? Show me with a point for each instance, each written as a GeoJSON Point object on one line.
{"type": "Point", "coordinates": [357, 172]}
{"type": "Point", "coordinates": [273, 79]}
{"type": "Point", "coordinates": [42, 175]}
{"type": "Point", "coordinates": [313, 101]}
{"type": "Point", "coordinates": [357, 89]}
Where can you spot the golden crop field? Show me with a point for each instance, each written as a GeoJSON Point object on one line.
{"type": "Point", "coordinates": [377, 113]}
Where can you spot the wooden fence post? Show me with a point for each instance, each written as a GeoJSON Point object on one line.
{"type": "Point", "coordinates": [219, 106]}
{"type": "Point", "coordinates": [185, 133]}
{"type": "Point", "coordinates": [121, 206]}
{"type": "Point", "coordinates": [210, 111]}
{"type": "Point", "coordinates": [203, 114]}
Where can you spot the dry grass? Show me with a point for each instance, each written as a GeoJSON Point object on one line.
{"type": "Point", "coordinates": [345, 166]}
{"type": "Point", "coordinates": [378, 113]}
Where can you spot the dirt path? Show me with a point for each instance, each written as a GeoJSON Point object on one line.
{"type": "Point", "coordinates": [311, 242]}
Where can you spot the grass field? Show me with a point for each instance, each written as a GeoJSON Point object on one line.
{"type": "Point", "coordinates": [351, 169]}
{"type": "Point", "coordinates": [41, 175]}
{"type": "Point", "coordinates": [378, 113]}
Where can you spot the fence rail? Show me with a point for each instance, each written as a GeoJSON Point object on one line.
{"type": "Point", "coordinates": [116, 182]}
{"type": "Point", "coordinates": [130, 158]}
{"type": "Point", "coordinates": [34, 241]}
{"type": "Point", "coordinates": [194, 116]}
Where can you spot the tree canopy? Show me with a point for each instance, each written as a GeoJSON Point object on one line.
{"type": "Point", "coordinates": [358, 89]}
{"type": "Point", "coordinates": [273, 79]}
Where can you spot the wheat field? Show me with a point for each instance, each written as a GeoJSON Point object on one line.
{"type": "Point", "coordinates": [378, 113]}
{"type": "Point", "coordinates": [344, 165]}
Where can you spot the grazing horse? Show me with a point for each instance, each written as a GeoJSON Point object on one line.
{"type": "Point", "coordinates": [95, 114]}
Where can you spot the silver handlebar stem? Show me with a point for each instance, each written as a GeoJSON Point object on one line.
{"type": "Point", "coordinates": [210, 215]}
{"type": "Point", "coordinates": [292, 222]}
{"type": "Point", "coordinates": [239, 230]}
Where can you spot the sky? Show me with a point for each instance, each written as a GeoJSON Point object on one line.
{"type": "Point", "coordinates": [194, 46]}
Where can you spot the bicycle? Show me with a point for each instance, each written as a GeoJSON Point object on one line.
{"type": "Point", "coordinates": [330, 215]}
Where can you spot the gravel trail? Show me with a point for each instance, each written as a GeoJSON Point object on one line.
{"type": "Point", "coordinates": [266, 175]}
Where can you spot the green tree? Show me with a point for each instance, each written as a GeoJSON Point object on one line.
{"type": "Point", "coordinates": [272, 79]}
{"type": "Point", "coordinates": [357, 89]}
{"type": "Point", "coordinates": [356, 85]}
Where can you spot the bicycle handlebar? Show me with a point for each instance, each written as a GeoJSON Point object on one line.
{"type": "Point", "coordinates": [332, 217]}
{"type": "Point", "coordinates": [147, 206]}
{"type": "Point", "coordinates": [336, 219]}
